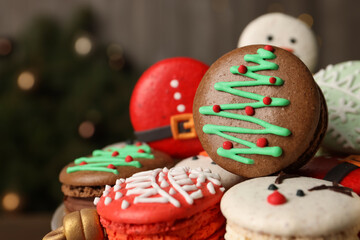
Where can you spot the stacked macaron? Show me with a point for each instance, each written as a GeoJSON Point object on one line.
{"type": "Point", "coordinates": [179, 203]}
{"type": "Point", "coordinates": [86, 177]}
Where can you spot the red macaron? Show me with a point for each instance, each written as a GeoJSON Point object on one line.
{"type": "Point", "coordinates": [161, 106]}
{"type": "Point", "coordinates": [179, 203]}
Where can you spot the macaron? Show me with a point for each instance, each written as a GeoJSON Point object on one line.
{"type": "Point", "coordinates": [288, 207]}
{"type": "Point", "coordinates": [341, 86]}
{"type": "Point", "coordinates": [179, 203]}
{"type": "Point", "coordinates": [161, 106]}
{"type": "Point", "coordinates": [285, 31]}
{"type": "Point", "coordinates": [339, 169]}
{"type": "Point", "coordinates": [202, 160]}
{"type": "Point", "coordinates": [258, 111]}
{"type": "Point", "coordinates": [85, 178]}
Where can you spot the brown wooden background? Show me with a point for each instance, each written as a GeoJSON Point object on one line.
{"type": "Point", "coordinates": [150, 30]}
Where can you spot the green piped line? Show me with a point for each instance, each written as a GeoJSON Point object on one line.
{"type": "Point", "coordinates": [230, 87]}
{"type": "Point", "coordinates": [102, 158]}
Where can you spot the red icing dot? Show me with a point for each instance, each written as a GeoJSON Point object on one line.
{"type": "Point", "coordinates": [83, 163]}
{"type": "Point", "coordinates": [269, 48]}
{"type": "Point", "coordinates": [115, 153]}
{"type": "Point", "coordinates": [242, 69]}
{"type": "Point", "coordinates": [216, 108]}
{"type": "Point", "coordinates": [272, 80]}
{"type": "Point", "coordinates": [227, 145]}
{"type": "Point", "coordinates": [262, 142]}
{"type": "Point", "coordinates": [141, 151]}
{"type": "Point", "coordinates": [128, 158]}
{"type": "Point", "coordinates": [249, 111]}
{"type": "Point", "coordinates": [111, 166]}
{"type": "Point", "coordinates": [276, 198]}
{"type": "Point", "coordinates": [267, 100]}
{"type": "Point", "coordinates": [138, 144]}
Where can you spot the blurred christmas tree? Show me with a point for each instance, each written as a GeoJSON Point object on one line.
{"type": "Point", "coordinates": [62, 94]}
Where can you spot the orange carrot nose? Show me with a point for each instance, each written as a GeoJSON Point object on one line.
{"type": "Point", "coordinates": [288, 49]}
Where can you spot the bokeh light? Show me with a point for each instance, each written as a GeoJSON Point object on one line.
{"type": "Point", "coordinates": [26, 80]}
{"type": "Point", "coordinates": [5, 46]}
{"type": "Point", "coordinates": [83, 45]}
{"type": "Point", "coordinates": [86, 129]}
{"type": "Point", "coordinates": [11, 201]}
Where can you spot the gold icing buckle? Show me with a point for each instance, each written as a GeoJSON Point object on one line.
{"type": "Point", "coordinates": [353, 159]}
{"type": "Point", "coordinates": [182, 126]}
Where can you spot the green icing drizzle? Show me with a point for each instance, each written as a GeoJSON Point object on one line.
{"type": "Point", "coordinates": [102, 158]}
{"type": "Point", "coordinates": [230, 87]}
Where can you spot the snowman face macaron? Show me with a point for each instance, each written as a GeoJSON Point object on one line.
{"type": "Point", "coordinates": [291, 207]}
{"type": "Point", "coordinates": [283, 31]}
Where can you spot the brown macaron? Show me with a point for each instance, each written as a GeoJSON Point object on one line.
{"type": "Point", "coordinates": [258, 110]}
{"type": "Point", "coordinates": [87, 177]}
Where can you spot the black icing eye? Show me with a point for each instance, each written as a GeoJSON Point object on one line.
{"type": "Point", "coordinates": [195, 158]}
{"type": "Point", "coordinates": [300, 193]}
{"type": "Point", "coordinates": [270, 38]}
{"type": "Point", "coordinates": [272, 187]}
{"type": "Point", "coordinates": [293, 40]}
{"type": "Point", "coordinates": [213, 163]}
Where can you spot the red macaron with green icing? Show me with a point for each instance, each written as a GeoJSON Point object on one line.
{"type": "Point", "coordinates": [86, 177]}
{"type": "Point", "coordinates": [258, 110]}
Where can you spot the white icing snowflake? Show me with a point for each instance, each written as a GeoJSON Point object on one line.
{"type": "Point", "coordinates": [332, 78]}
{"type": "Point", "coordinates": [343, 108]}
{"type": "Point", "coordinates": [340, 137]}
{"type": "Point", "coordinates": [150, 183]}
{"type": "Point", "coordinates": [357, 130]}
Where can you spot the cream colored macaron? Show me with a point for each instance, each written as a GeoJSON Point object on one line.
{"type": "Point", "coordinates": [298, 208]}
{"type": "Point", "coordinates": [228, 179]}
{"type": "Point", "coordinates": [283, 31]}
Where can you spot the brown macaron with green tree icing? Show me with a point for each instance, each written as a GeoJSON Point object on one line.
{"type": "Point", "coordinates": [87, 177]}
{"type": "Point", "coordinates": [258, 110]}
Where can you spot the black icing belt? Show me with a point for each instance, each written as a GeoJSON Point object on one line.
{"type": "Point", "coordinates": [340, 171]}
{"type": "Point", "coordinates": [159, 133]}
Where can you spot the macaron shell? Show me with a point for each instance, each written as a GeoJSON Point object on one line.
{"type": "Point", "coordinates": [341, 86]}
{"type": "Point", "coordinates": [283, 29]}
{"type": "Point", "coordinates": [164, 90]}
{"type": "Point", "coordinates": [227, 178]}
{"type": "Point", "coordinates": [301, 116]}
{"type": "Point", "coordinates": [317, 214]}
{"type": "Point", "coordinates": [318, 167]}
{"type": "Point", "coordinates": [159, 210]}
{"type": "Point", "coordinates": [99, 178]}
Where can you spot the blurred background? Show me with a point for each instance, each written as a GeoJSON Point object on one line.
{"type": "Point", "coordinates": [67, 69]}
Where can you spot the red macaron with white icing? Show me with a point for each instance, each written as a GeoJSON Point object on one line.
{"type": "Point", "coordinates": [180, 203]}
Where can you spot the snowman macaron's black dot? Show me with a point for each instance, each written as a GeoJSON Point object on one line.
{"type": "Point", "coordinates": [270, 37]}
{"type": "Point", "coordinates": [293, 40]}
{"type": "Point", "coordinates": [213, 162]}
{"type": "Point", "coordinates": [272, 187]}
{"type": "Point", "coordinates": [300, 193]}
{"type": "Point", "coordinates": [195, 158]}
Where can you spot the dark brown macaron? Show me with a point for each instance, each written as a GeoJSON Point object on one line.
{"type": "Point", "coordinates": [87, 177]}
{"type": "Point", "coordinates": [258, 110]}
